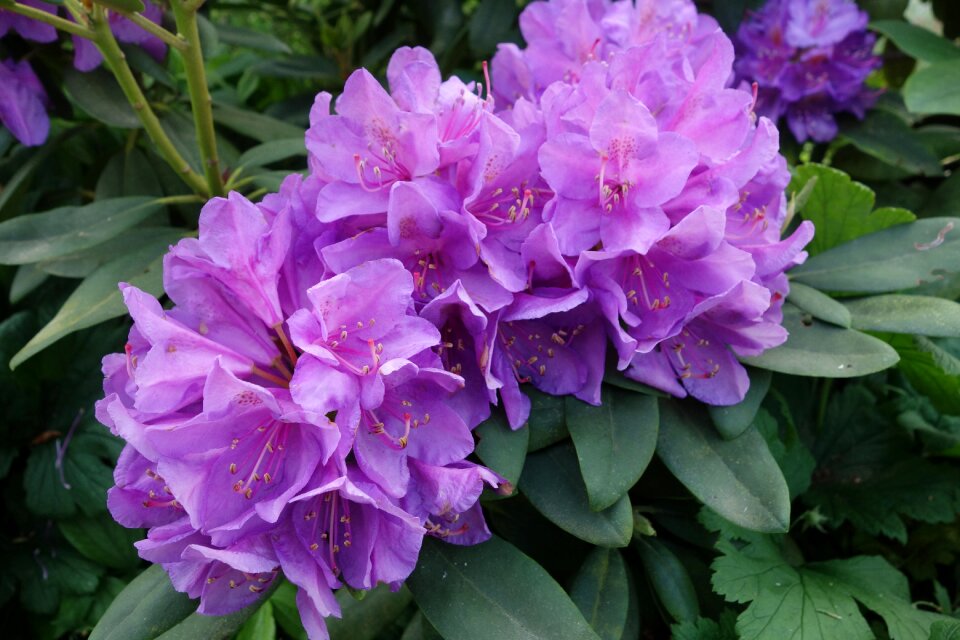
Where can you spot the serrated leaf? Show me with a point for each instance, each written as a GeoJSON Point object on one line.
{"type": "Point", "coordinates": [706, 629]}
{"type": "Point", "coordinates": [932, 371]}
{"type": "Point", "coordinates": [601, 590]}
{"type": "Point", "coordinates": [817, 349]}
{"type": "Point", "coordinates": [551, 481]}
{"type": "Point", "coordinates": [840, 208]}
{"type": "Point", "coordinates": [483, 591]}
{"type": "Point", "coordinates": [46, 575]}
{"type": "Point", "coordinates": [365, 619]}
{"type": "Point", "coordinates": [921, 315]}
{"type": "Point", "coordinates": [917, 42]}
{"type": "Point", "coordinates": [945, 630]}
{"type": "Point", "coordinates": [614, 442]}
{"type": "Point", "coordinates": [102, 540]}
{"type": "Point", "coordinates": [98, 299]}
{"type": "Point", "coordinates": [737, 478]}
{"type": "Point", "coordinates": [794, 458]}
{"type": "Point", "coordinates": [934, 89]}
{"type": "Point", "coordinates": [53, 234]}
{"type": "Point", "coordinates": [501, 448]}
{"type": "Point", "coordinates": [818, 304]}
{"type": "Point", "coordinates": [669, 579]}
{"type": "Point", "coordinates": [547, 422]}
{"type": "Point", "coordinates": [733, 420]}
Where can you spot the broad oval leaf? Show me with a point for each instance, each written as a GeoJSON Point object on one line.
{"type": "Point", "coordinates": [98, 94]}
{"type": "Point", "coordinates": [733, 420]}
{"type": "Point", "coordinates": [739, 479]}
{"type": "Point", "coordinates": [920, 315]}
{"type": "Point", "coordinates": [889, 139]}
{"type": "Point", "coordinates": [147, 607]}
{"type": "Point", "coordinates": [251, 39]}
{"type": "Point", "coordinates": [98, 298]}
{"type": "Point", "coordinates": [551, 481]}
{"type": "Point", "coordinates": [492, 590]}
{"type": "Point", "coordinates": [254, 125]}
{"type": "Point", "coordinates": [819, 304]}
{"type": "Point", "coordinates": [601, 590]}
{"type": "Point", "coordinates": [501, 448]}
{"type": "Point", "coordinates": [197, 625]}
{"type": "Point", "coordinates": [934, 89]}
{"type": "Point", "coordinates": [917, 42]}
{"type": "Point", "coordinates": [614, 442]}
{"type": "Point", "coordinates": [103, 540]}
{"type": "Point", "coordinates": [547, 421]}
{"type": "Point", "coordinates": [272, 151]}
{"type": "Point", "coordinates": [669, 579]}
{"type": "Point", "coordinates": [892, 259]}
{"type": "Point", "coordinates": [60, 232]}
{"type": "Point", "coordinates": [366, 618]}
{"type": "Point", "coordinates": [817, 349]}
{"type": "Point", "coordinates": [261, 625]}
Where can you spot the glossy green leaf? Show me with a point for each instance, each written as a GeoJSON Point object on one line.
{"type": "Point", "coordinates": [934, 89]}
{"type": "Point", "coordinates": [501, 448]}
{"type": "Point", "coordinates": [547, 422]}
{"type": "Point", "coordinates": [551, 481]}
{"type": "Point", "coordinates": [260, 626]}
{"type": "Point", "coordinates": [601, 590]}
{"type": "Point", "coordinates": [492, 590]}
{"type": "Point", "coordinates": [420, 629]}
{"type": "Point", "coordinates": [819, 305]}
{"type": "Point", "coordinates": [251, 39]}
{"type": "Point", "coordinates": [98, 94]}
{"type": "Point", "coordinates": [273, 151]}
{"type": "Point", "coordinates": [817, 349]}
{"type": "Point", "coordinates": [886, 137]}
{"type": "Point", "coordinates": [128, 173]}
{"type": "Point", "coordinates": [198, 626]}
{"type": "Point", "coordinates": [81, 264]}
{"type": "Point", "coordinates": [921, 315]}
{"type": "Point", "coordinates": [739, 479]}
{"type": "Point", "coordinates": [254, 125]}
{"type": "Point", "coordinates": [669, 579]}
{"type": "Point", "coordinates": [733, 420]}
{"type": "Point", "coordinates": [26, 280]}
{"type": "Point", "coordinates": [614, 442]}
{"type": "Point", "coordinates": [917, 42]}
{"type": "Point", "coordinates": [893, 259]}
{"type": "Point", "coordinates": [53, 234]}
{"type": "Point", "coordinates": [365, 618]}
{"type": "Point", "coordinates": [102, 540]}
{"type": "Point", "coordinates": [147, 607]}
{"type": "Point", "coordinates": [285, 612]}
{"type": "Point", "coordinates": [98, 298]}
{"type": "Point", "coordinates": [492, 22]}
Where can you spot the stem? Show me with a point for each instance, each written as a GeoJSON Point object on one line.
{"type": "Point", "coordinates": [200, 100]}
{"type": "Point", "coordinates": [54, 21]}
{"type": "Point", "coordinates": [149, 26]}
{"type": "Point", "coordinates": [116, 60]}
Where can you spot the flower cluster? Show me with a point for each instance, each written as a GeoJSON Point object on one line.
{"type": "Point", "coordinates": [306, 405]}
{"type": "Point", "coordinates": [809, 59]}
{"type": "Point", "coordinates": [23, 100]}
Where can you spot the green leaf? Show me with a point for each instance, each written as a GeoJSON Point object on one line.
{"type": "Point", "coordinates": [706, 629]}
{"type": "Point", "coordinates": [739, 479]}
{"type": "Point", "coordinates": [551, 481]}
{"type": "Point", "coordinates": [794, 458]}
{"type": "Point", "coordinates": [103, 541]}
{"type": "Point", "coordinates": [484, 591]}
{"type": "Point", "coordinates": [867, 472]}
{"type": "Point", "coordinates": [816, 601]}
{"type": "Point", "coordinates": [98, 94]}
{"type": "Point", "coordinates": [614, 442]}
{"type": "Point", "coordinates": [254, 125]}
{"type": "Point", "coordinates": [934, 89]}
{"type": "Point", "coordinates": [917, 42]}
{"type": "Point", "coordinates": [260, 626]}
{"type": "Point", "coordinates": [197, 625]}
{"type": "Point", "coordinates": [98, 299]}
{"type": "Point", "coordinates": [147, 607]}
{"type": "Point", "coordinates": [547, 422]}
{"type": "Point", "coordinates": [284, 603]}
{"type": "Point", "coordinates": [945, 630]}
{"type": "Point", "coordinates": [932, 371]}
{"type": "Point", "coordinates": [733, 420]}
{"type": "Point", "coordinates": [126, 6]}
{"type": "Point", "coordinates": [53, 234]}
{"type": "Point", "coordinates": [817, 349]}
{"type": "Point", "coordinates": [669, 579]}
{"type": "Point", "coordinates": [272, 151]}
{"type": "Point", "coordinates": [501, 448]}
{"type": "Point", "coordinates": [818, 304]}
{"type": "Point", "coordinates": [81, 264]}
{"type": "Point", "coordinates": [128, 173]}
{"type": "Point", "coordinates": [886, 137]}
{"type": "Point", "coordinates": [58, 486]}
{"type": "Point", "coordinates": [420, 629]}
{"type": "Point", "coordinates": [601, 590]}
{"type": "Point", "coordinates": [46, 575]}
{"type": "Point", "coordinates": [893, 259]}
{"type": "Point", "coordinates": [840, 208]}
{"type": "Point", "coordinates": [251, 39]}
{"type": "Point", "coordinates": [943, 201]}
{"type": "Point", "coordinates": [25, 281]}
{"type": "Point", "coordinates": [364, 619]}
{"type": "Point", "coordinates": [896, 313]}
{"type": "Point", "coordinates": [491, 23]}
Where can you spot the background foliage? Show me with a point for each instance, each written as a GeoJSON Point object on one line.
{"type": "Point", "coordinates": [831, 497]}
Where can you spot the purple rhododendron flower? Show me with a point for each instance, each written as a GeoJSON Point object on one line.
{"type": "Point", "coordinates": [809, 59]}
{"type": "Point", "coordinates": [87, 57]}
{"type": "Point", "coordinates": [23, 103]}
{"type": "Point", "coordinates": [28, 28]}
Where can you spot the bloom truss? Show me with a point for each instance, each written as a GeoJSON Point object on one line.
{"type": "Point", "coordinates": [306, 405]}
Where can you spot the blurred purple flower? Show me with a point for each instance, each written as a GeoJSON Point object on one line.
{"type": "Point", "coordinates": [23, 103]}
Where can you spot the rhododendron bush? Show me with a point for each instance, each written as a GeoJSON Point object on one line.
{"type": "Point", "coordinates": [563, 319]}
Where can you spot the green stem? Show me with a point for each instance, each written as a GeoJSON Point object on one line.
{"type": "Point", "coordinates": [116, 60]}
{"type": "Point", "coordinates": [200, 100]}
{"type": "Point", "coordinates": [49, 18]}
{"type": "Point", "coordinates": [150, 26]}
